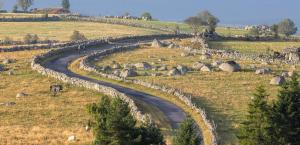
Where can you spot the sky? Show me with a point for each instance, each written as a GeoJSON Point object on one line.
{"type": "Point", "coordinates": [239, 12]}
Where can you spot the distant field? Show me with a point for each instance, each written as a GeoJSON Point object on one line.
{"type": "Point", "coordinates": [63, 30]}
{"type": "Point", "coordinates": [225, 96]}
{"type": "Point", "coordinates": [184, 27]}
{"type": "Point", "coordinates": [252, 47]}
{"type": "Point", "coordinates": [22, 15]}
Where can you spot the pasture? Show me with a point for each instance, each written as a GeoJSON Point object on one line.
{"type": "Point", "coordinates": [223, 95]}
{"type": "Point", "coordinates": [61, 31]}
{"type": "Point", "coordinates": [39, 117]}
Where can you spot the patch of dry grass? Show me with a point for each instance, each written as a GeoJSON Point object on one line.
{"type": "Point", "coordinates": [62, 31]}
{"type": "Point", "coordinates": [40, 118]}
{"type": "Point", "coordinates": [224, 95]}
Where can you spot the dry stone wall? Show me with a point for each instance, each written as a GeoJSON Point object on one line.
{"type": "Point", "coordinates": [86, 64]}
{"type": "Point", "coordinates": [38, 61]}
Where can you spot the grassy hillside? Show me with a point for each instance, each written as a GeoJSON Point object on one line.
{"type": "Point", "coordinates": [224, 95]}
{"type": "Point", "coordinates": [63, 30]}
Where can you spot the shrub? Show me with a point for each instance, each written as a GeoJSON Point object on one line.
{"type": "Point", "coordinates": [7, 41]}
{"type": "Point", "coordinates": [31, 39]}
{"type": "Point", "coordinates": [77, 36]}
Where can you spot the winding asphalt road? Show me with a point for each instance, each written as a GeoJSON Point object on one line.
{"type": "Point", "coordinates": [173, 113]}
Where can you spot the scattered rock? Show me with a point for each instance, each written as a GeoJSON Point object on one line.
{"type": "Point", "coordinates": [291, 73]}
{"type": "Point", "coordinates": [156, 74]}
{"type": "Point", "coordinates": [128, 73]}
{"type": "Point", "coordinates": [206, 68]}
{"type": "Point", "coordinates": [157, 44]}
{"type": "Point", "coordinates": [182, 69]}
{"type": "Point", "coordinates": [8, 104]}
{"type": "Point", "coordinates": [205, 56]}
{"type": "Point", "coordinates": [161, 59]}
{"type": "Point", "coordinates": [21, 95]}
{"type": "Point", "coordinates": [185, 54]}
{"type": "Point", "coordinates": [72, 138]}
{"type": "Point", "coordinates": [263, 71]}
{"type": "Point", "coordinates": [230, 66]}
{"type": "Point", "coordinates": [87, 128]}
{"type": "Point", "coordinates": [216, 63]}
{"type": "Point", "coordinates": [277, 80]}
{"type": "Point", "coordinates": [163, 68]}
{"type": "Point", "coordinates": [117, 72]}
{"type": "Point", "coordinates": [143, 65]}
{"type": "Point", "coordinates": [285, 74]}
{"type": "Point", "coordinates": [11, 73]}
{"type": "Point", "coordinates": [116, 66]}
{"type": "Point", "coordinates": [7, 61]}
{"type": "Point", "coordinates": [198, 65]}
{"type": "Point", "coordinates": [171, 45]}
{"type": "Point", "coordinates": [174, 72]}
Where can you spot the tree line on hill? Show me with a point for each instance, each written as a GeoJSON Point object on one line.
{"type": "Point", "coordinates": [205, 22]}
{"type": "Point", "coordinates": [24, 5]}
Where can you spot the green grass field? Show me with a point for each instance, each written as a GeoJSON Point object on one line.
{"type": "Point", "coordinates": [62, 31]}
{"type": "Point", "coordinates": [224, 95]}
{"type": "Point", "coordinates": [252, 47]}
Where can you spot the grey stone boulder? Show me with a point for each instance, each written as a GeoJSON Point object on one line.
{"type": "Point", "coordinates": [230, 66]}
{"type": "Point", "coordinates": [7, 61]}
{"type": "Point", "coordinates": [157, 44]}
{"type": "Point", "coordinates": [174, 72]}
{"type": "Point", "coordinates": [161, 59]}
{"type": "Point", "coordinates": [72, 138]}
{"type": "Point", "coordinates": [277, 80]}
{"type": "Point", "coordinates": [8, 104]}
{"type": "Point", "coordinates": [116, 66]}
{"type": "Point", "coordinates": [185, 54]}
{"type": "Point", "coordinates": [206, 68]}
{"type": "Point", "coordinates": [172, 45]}
{"type": "Point", "coordinates": [117, 72]}
{"type": "Point", "coordinates": [156, 74]}
{"type": "Point", "coordinates": [285, 74]}
{"type": "Point", "coordinates": [198, 65]}
{"type": "Point", "coordinates": [216, 63]}
{"type": "Point", "coordinates": [21, 95]}
{"type": "Point", "coordinates": [205, 56]}
{"type": "Point", "coordinates": [143, 66]}
{"type": "Point", "coordinates": [163, 68]}
{"type": "Point", "coordinates": [182, 69]}
{"type": "Point", "coordinates": [263, 71]}
{"type": "Point", "coordinates": [128, 73]}
{"type": "Point", "coordinates": [291, 73]}
{"type": "Point", "coordinates": [11, 73]}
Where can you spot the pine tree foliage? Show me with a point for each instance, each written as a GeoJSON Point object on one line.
{"type": "Point", "coordinates": [187, 133]}
{"type": "Point", "coordinates": [255, 129]}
